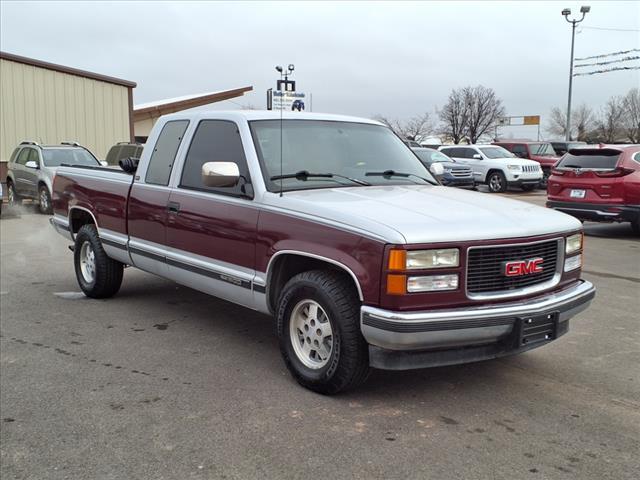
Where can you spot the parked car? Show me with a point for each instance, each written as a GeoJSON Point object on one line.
{"type": "Point", "coordinates": [541, 152]}
{"type": "Point", "coordinates": [455, 174]}
{"type": "Point", "coordinates": [411, 143]}
{"type": "Point", "coordinates": [335, 228]}
{"type": "Point", "coordinates": [123, 150]}
{"type": "Point", "coordinates": [563, 147]}
{"type": "Point", "coordinates": [598, 184]}
{"type": "Point", "coordinates": [496, 167]}
{"type": "Point", "coordinates": [32, 167]}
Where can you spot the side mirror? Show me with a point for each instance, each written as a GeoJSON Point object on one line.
{"type": "Point", "coordinates": [477, 156]}
{"type": "Point", "coordinates": [32, 164]}
{"type": "Point", "coordinates": [220, 174]}
{"type": "Point", "coordinates": [104, 163]}
{"type": "Point", "coordinates": [437, 169]}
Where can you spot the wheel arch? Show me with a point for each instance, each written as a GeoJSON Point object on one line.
{"type": "Point", "coordinates": [79, 216]}
{"type": "Point", "coordinates": [285, 264]}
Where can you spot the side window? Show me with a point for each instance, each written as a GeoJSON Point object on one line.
{"type": "Point", "coordinates": [164, 152]}
{"type": "Point", "coordinates": [214, 141]}
{"type": "Point", "coordinates": [468, 152]}
{"type": "Point", "coordinates": [519, 151]}
{"type": "Point", "coordinates": [14, 155]}
{"type": "Point", "coordinates": [24, 156]}
{"type": "Point", "coordinates": [452, 152]}
{"type": "Point", "coordinates": [33, 156]}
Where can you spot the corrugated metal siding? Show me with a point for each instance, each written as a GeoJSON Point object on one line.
{"type": "Point", "coordinates": [50, 107]}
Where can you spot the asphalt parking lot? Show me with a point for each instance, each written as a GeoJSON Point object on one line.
{"type": "Point", "coordinates": [162, 382]}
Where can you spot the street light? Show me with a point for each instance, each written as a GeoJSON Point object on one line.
{"type": "Point", "coordinates": [565, 13]}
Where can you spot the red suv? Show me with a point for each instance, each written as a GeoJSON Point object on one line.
{"type": "Point", "coordinates": [541, 152]}
{"type": "Point", "coordinates": [598, 184]}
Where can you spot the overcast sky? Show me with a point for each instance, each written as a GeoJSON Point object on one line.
{"type": "Point", "coordinates": [362, 58]}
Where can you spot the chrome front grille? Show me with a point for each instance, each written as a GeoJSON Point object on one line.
{"type": "Point", "coordinates": [485, 268]}
{"type": "Point", "coordinates": [530, 168]}
{"type": "Point", "coordinates": [461, 172]}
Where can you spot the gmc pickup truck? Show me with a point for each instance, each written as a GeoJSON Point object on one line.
{"type": "Point", "coordinates": [333, 226]}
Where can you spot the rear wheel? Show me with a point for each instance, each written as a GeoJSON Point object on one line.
{"type": "Point", "coordinates": [319, 332]}
{"type": "Point", "coordinates": [12, 197]}
{"type": "Point", "coordinates": [497, 182]}
{"type": "Point", "coordinates": [44, 199]}
{"type": "Point", "coordinates": [98, 275]}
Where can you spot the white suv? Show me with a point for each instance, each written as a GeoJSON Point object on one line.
{"type": "Point", "coordinates": [496, 167]}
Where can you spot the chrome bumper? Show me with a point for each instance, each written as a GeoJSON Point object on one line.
{"type": "Point", "coordinates": [463, 327]}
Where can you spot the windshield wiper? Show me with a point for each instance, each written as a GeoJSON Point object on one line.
{"type": "Point", "coordinates": [393, 173]}
{"type": "Point", "coordinates": [304, 175]}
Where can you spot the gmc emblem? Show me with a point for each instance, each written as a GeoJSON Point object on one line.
{"type": "Point", "coordinates": [517, 268]}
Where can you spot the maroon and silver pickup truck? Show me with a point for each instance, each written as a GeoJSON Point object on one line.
{"type": "Point", "coordinates": [333, 226]}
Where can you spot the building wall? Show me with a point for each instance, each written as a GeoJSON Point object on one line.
{"type": "Point", "coordinates": [50, 107]}
{"type": "Point", "coordinates": [142, 128]}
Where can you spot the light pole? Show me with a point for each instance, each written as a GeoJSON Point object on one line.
{"type": "Point", "coordinates": [566, 12]}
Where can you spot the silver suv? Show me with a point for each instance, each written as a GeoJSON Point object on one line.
{"type": "Point", "coordinates": [32, 168]}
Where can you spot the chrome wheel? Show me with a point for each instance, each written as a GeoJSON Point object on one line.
{"type": "Point", "coordinates": [87, 262]}
{"type": "Point", "coordinates": [495, 183]}
{"type": "Point", "coordinates": [11, 194]}
{"type": "Point", "coordinates": [44, 200]}
{"type": "Point", "coordinates": [311, 334]}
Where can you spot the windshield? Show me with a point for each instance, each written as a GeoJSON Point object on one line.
{"type": "Point", "coordinates": [543, 149]}
{"type": "Point", "coordinates": [432, 156]}
{"type": "Point", "coordinates": [69, 156]}
{"type": "Point", "coordinates": [496, 152]}
{"type": "Point", "coordinates": [344, 149]}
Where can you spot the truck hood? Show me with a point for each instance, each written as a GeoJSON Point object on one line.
{"type": "Point", "coordinates": [422, 213]}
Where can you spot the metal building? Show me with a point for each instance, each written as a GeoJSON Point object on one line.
{"type": "Point", "coordinates": [51, 103]}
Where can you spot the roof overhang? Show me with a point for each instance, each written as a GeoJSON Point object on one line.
{"type": "Point", "coordinates": [68, 70]}
{"type": "Point", "coordinates": [176, 105]}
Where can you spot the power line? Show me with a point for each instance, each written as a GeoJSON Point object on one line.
{"type": "Point", "coordinates": [613, 29]}
{"type": "Point", "coordinates": [613, 69]}
{"type": "Point", "coordinates": [617, 60]}
{"type": "Point", "coordinates": [612, 54]}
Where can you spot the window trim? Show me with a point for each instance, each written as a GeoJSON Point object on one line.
{"type": "Point", "coordinates": [208, 190]}
{"type": "Point", "coordinates": [175, 156]}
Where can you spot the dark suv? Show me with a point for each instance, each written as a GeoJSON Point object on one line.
{"type": "Point", "coordinates": [123, 150]}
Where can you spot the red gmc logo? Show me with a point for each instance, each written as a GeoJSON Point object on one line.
{"type": "Point", "coordinates": [518, 268]}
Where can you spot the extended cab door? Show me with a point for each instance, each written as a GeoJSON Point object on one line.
{"type": "Point", "coordinates": [149, 202]}
{"type": "Point", "coordinates": [211, 232]}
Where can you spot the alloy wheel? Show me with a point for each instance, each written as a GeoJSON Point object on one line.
{"type": "Point", "coordinates": [311, 334]}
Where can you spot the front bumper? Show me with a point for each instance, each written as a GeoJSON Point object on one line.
{"type": "Point", "coordinates": [524, 181]}
{"type": "Point", "coordinates": [598, 212]}
{"type": "Point", "coordinates": [403, 340]}
{"type": "Point", "coordinates": [451, 181]}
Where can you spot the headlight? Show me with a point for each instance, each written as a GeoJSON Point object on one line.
{"type": "Point", "coordinates": [515, 168]}
{"type": "Point", "coordinates": [573, 244]}
{"type": "Point", "coordinates": [423, 259]}
{"type": "Point", "coordinates": [432, 283]}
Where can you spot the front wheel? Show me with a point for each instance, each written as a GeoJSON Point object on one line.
{"type": "Point", "coordinates": [12, 197]}
{"type": "Point", "coordinates": [44, 199]}
{"type": "Point", "coordinates": [319, 332]}
{"type": "Point", "coordinates": [98, 275]}
{"type": "Point", "coordinates": [497, 182]}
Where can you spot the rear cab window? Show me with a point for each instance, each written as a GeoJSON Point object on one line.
{"type": "Point", "coordinates": [164, 152]}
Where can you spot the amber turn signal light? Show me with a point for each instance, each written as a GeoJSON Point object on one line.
{"type": "Point", "coordinates": [396, 284]}
{"type": "Point", "coordinates": [397, 259]}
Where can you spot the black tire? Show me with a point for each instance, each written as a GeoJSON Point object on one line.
{"type": "Point", "coordinates": [12, 196]}
{"type": "Point", "coordinates": [497, 182]}
{"type": "Point", "coordinates": [527, 188]}
{"type": "Point", "coordinates": [635, 226]}
{"type": "Point", "coordinates": [348, 363]}
{"type": "Point", "coordinates": [107, 273]}
{"type": "Point", "coordinates": [44, 200]}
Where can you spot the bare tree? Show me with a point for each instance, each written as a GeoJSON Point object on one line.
{"type": "Point", "coordinates": [583, 121]}
{"type": "Point", "coordinates": [454, 116]}
{"type": "Point", "coordinates": [631, 107]}
{"type": "Point", "coordinates": [484, 109]}
{"type": "Point", "coordinates": [414, 128]}
{"type": "Point", "coordinates": [611, 121]}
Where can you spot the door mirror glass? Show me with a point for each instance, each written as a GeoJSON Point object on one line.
{"type": "Point", "coordinates": [104, 163]}
{"type": "Point", "coordinates": [31, 164]}
{"type": "Point", "coordinates": [477, 156]}
{"type": "Point", "coordinates": [437, 169]}
{"type": "Point", "coordinates": [220, 174]}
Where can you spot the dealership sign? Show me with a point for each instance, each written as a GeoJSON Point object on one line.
{"type": "Point", "coordinates": [288, 101]}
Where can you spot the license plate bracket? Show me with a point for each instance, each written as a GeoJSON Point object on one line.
{"type": "Point", "coordinates": [577, 193]}
{"type": "Point", "coordinates": [538, 328]}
